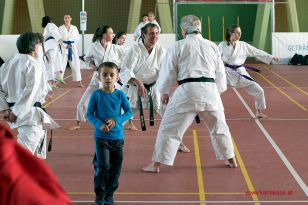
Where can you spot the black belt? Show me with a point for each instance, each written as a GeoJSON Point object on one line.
{"type": "Point", "coordinates": [50, 37]}
{"type": "Point", "coordinates": [202, 79]}
{"type": "Point", "coordinates": [38, 104]}
{"type": "Point", "coordinates": [148, 87]}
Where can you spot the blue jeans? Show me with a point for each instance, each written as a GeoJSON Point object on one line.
{"type": "Point", "coordinates": [107, 163]}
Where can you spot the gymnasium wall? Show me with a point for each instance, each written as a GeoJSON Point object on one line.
{"type": "Point", "coordinates": [213, 24]}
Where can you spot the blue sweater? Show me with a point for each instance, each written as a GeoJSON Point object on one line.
{"type": "Point", "coordinates": [108, 105]}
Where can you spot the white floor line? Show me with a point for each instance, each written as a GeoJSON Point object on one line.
{"type": "Point", "coordinates": [296, 176]}
{"type": "Point", "coordinates": [197, 202]}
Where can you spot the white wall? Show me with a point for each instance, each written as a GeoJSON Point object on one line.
{"type": "Point", "coordinates": [8, 43]}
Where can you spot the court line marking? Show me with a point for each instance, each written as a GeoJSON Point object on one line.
{"type": "Point", "coordinates": [161, 193]}
{"type": "Point", "coordinates": [197, 202]}
{"type": "Point", "coordinates": [288, 82]}
{"type": "Point", "coordinates": [198, 168]}
{"type": "Point", "coordinates": [244, 172]}
{"type": "Point", "coordinates": [284, 159]}
{"type": "Point", "coordinates": [58, 97]}
{"type": "Point", "coordinates": [228, 119]}
{"type": "Point", "coordinates": [281, 91]}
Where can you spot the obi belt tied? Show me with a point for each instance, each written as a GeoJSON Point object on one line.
{"type": "Point", "coordinates": [70, 49]}
{"type": "Point", "coordinates": [201, 79]}
{"type": "Point", "coordinates": [142, 121]}
{"type": "Point", "coordinates": [235, 67]}
{"type": "Point", "coordinates": [38, 104]}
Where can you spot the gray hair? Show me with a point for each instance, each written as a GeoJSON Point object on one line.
{"type": "Point", "coordinates": [191, 24]}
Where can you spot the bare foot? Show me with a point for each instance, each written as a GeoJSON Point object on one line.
{"type": "Point", "coordinates": [76, 127]}
{"type": "Point", "coordinates": [183, 148]}
{"type": "Point", "coordinates": [259, 114]}
{"type": "Point", "coordinates": [231, 163]}
{"type": "Point", "coordinates": [153, 167]}
{"type": "Point", "coordinates": [132, 127]}
{"type": "Point", "coordinates": [81, 85]}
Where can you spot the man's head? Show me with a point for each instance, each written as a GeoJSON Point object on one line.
{"type": "Point", "coordinates": [149, 34]}
{"type": "Point", "coordinates": [190, 24]}
{"type": "Point", "coordinates": [28, 43]}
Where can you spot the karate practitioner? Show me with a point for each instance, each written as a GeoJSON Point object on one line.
{"type": "Point", "coordinates": [137, 32]}
{"type": "Point", "coordinates": [101, 50]}
{"type": "Point", "coordinates": [140, 70]}
{"type": "Point", "coordinates": [234, 53]}
{"type": "Point", "coordinates": [152, 19]}
{"type": "Point", "coordinates": [52, 38]}
{"type": "Point", "coordinates": [70, 36]}
{"type": "Point", "coordinates": [22, 89]}
{"type": "Point", "coordinates": [196, 64]}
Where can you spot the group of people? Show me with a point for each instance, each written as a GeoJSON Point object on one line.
{"type": "Point", "coordinates": [127, 80]}
{"type": "Point", "coordinates": [60, 46]}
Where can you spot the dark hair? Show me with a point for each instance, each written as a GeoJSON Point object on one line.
{"type": "Point", "coordinates": [117, 36]}
{"type": "Point", "coordinates": [144, 29]}
{"type": "Point", "coordinates": [143, 15]}
{"type": "Point", "coordinates": [26, 42]}
{"type": "Point", "coordinates": [41, 40]}
{"type": "Point", "coordinates": [1, 61]}
{"type": "Point", "coordinates": [229, 32]}
{"type": "Point", "coordinates": [99, 32]}
{"type": "Point", "coordinates": [107, 65]}
{"type": "Point", "coordinates": [45, 21]}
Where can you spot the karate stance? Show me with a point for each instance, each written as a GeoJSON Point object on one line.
{"type": "Point", "coordinates": [234, 53]}
{"type": "Point", "coordinates": [140, 69]}
{"type": "Point", "coordinates": [101, 50]}
{"type": "Point", "coordinates": [52, 40]}
{"type": "Point", "coordinates": [196, 65]}
{"type": "Point", "coordinates": [23, 88]}
{"type": "Point", "coordinates": [70, 36]}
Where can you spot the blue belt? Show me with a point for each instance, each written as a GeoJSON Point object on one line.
{"type": "Point", "coordinates": [70, 50]}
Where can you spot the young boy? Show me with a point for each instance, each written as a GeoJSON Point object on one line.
{"type": "Point", "coordinates": [104, 112]}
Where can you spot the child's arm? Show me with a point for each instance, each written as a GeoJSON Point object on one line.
{"type": "Point", "coordinates": [127, 110]}
{"type": "Point", "coordinates": [97, 123]}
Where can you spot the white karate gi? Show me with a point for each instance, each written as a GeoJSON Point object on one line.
{"type": "Point", "coordinates": [71, 35]}
{"type": "Point", "coordinates": [22, 82]}
{"type": "Point", "coordinates": [52, 50]}
{"type": "Point", "coordinates": [138, 63]}
{"type": "Point", "coordinates": [193, 57]}
{"type": "Point", "coordinates": [137, 32]}
{"type": "Point", "coordinates": [97, 54]}
{"type": "Point", "coordinates": [237, 57]}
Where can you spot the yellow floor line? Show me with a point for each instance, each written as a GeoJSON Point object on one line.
{"type": "Point", "coordinates": [245, 173]}
{"type": "Point", "coordinates": [58, 97]}
{"type": "Point", "coordinates": [285, 94]}
{"type": "Point", "coordinates": [302, 91]}
{"type": "Point", "coordinates": [199, 169]}
{"type": "Point", "coordinates": [160, 193]}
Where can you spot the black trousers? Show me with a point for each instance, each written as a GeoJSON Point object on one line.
{"type": "Point", "coordinates": [107, 163]}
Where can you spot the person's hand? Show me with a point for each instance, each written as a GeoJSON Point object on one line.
{"type": "Point", "coordinates": [275, 58]}
{"type": "Point", "coordinates": [110, 123]}
{"type": "Point", "coordinates": [105, 128]}
{"type": "Point", "coordinates": [141, 89]}
{"type": "Point", "coordinates": [9, 116]}
{"type": "Point", "coordinates": [164, 99]}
